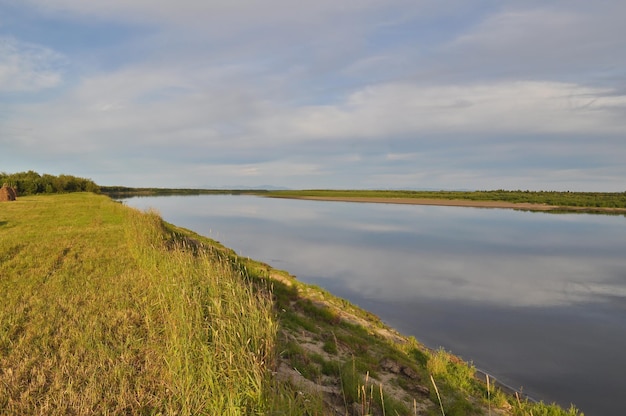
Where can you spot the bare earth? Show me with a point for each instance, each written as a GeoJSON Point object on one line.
{"type": "Point", "coordinates": [462, 203]}
{"type": "Point", "coordinates": [413, 390]}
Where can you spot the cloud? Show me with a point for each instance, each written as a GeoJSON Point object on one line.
{"type": "Point", "coordinates": [569, 40]}
{"type": "Point", "coordinates": [363, 93]}
{"type": "Point", "coordinates": [488, 134]}
{"type": "Point", "coordinates": [389, 110]}
{"type": "Point", "coordinates": [138, 171]}
{"type": "Point", "coordinates": [137, 107]}
{"type": "Point", "coordinates": [220, 14]}
{"type": "Point", "coordinates": [162, 107]}
{"type": "Point", "coordinates": [26, 67]}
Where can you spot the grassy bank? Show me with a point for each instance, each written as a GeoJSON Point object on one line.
{"type": "Point", "coordinates": [109, 310]}
{"type": "Point", "coordinates": [102, 311]}
{"type": "Point", "coordinates": [589, 200]}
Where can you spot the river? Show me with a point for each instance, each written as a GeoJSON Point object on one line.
{"type": "Point", "coordinates": [537, 300]}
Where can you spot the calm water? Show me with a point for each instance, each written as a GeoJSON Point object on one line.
{"type": "Point", "coordinates": [538, 300]}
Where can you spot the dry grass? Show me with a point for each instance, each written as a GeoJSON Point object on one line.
{"type": "Point", "coordinates": [100, 315]}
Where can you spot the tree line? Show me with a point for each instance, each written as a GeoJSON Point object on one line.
{"type": "Point", "coordinates": [31, 183]}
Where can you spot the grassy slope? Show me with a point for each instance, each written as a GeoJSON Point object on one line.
{"type": "Point", "coordinates": [98, 315]}
{"type": "Point", "coordinates": [106, 309]}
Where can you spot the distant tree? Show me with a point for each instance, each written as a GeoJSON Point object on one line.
{"type": "Point", "coordinates": [31, 183]}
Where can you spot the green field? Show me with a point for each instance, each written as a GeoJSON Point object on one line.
{"type": "Point", "coordinates": [107, 310]}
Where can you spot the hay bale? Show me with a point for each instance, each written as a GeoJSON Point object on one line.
{"type": "Point", "coordinates": [7, 193]}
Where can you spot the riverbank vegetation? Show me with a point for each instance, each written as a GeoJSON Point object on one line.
{"type": "Point", "coordinates": [578, 201]}
{"type": "Point", "coordinates": [109, 310]}
{"type": "Point", "coordinates": [561, 199]}
{"type": "Point", "coordinates": [125, 191]}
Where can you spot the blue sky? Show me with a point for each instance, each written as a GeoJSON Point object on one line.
{"type": "Point", "coordinates": [317, 94]}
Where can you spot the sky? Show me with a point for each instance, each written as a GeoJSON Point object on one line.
{"type": "Point", "coordinates": [384, 94]}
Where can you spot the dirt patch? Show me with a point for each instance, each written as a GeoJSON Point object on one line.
{"type": "Point", "coordinates": [330, 349]}
{"type": "Point", "coordinates": [308, 366]}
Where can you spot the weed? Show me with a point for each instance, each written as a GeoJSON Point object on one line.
{"type": "Point", "coordinates": [331, 368]}
{"type": "Point", "coordinates": [330, 346]}
{"type": "Point", "coordinates": [318, 312]}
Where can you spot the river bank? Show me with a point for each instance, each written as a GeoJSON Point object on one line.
{"type": "Point", "coordinates": [342, 250]}
{"type": "Point", "coordinates": [500, 288]}
{"type": "Point", "coordinates": [165, 316]}
{"type": "Point", "coordinates": [587, 202]}
{"type": "Point", "coordinates": [525, 206]}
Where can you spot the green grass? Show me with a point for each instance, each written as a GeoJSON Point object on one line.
{"type": "Point", "coordinates": [458, 385]}
{"type": "Point", "coordinates": [100, 314]}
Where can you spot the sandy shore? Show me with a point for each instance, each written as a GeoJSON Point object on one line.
{"type": "Point", "coordinates": [462, 203]}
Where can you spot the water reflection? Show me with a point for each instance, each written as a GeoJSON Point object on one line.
{"type": "Point", "coordinates": [536, 299]}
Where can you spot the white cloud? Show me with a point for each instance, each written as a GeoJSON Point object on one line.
{"type": "Point", "coordinates": [139, 171]}
{"type": "Point", "coordinates": [27, 67]}
{"type": "Point", "coordinates": [134, 108]}
{"type": "Point", "coordinates": [566, 39]}
{"type": "Point", "coordinates": [400, 156]}
{"type": "Point", "coordinates": [318, 88]}
{"type": "Point", "coordinates": [389, 110]}
{"type": "Point", "coordinates": [160, 113]}
{"type": "Point", "coordinates": [222, 14]}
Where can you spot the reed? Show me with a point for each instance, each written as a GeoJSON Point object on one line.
{"type": "Point", "coordinates": [432, 379]}
{"type": "Point", "coordinates": [488, 393]}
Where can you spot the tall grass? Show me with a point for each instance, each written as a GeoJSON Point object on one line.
{"type": "Point", "coordinates": [101, 313]}
{"type": "Point", "coordinates": [455, 385]}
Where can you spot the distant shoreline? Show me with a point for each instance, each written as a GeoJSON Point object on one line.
{"type": "Point", "coordinates": [459, 203]}
{"type": "Point", "coordinates": [557, 202]}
